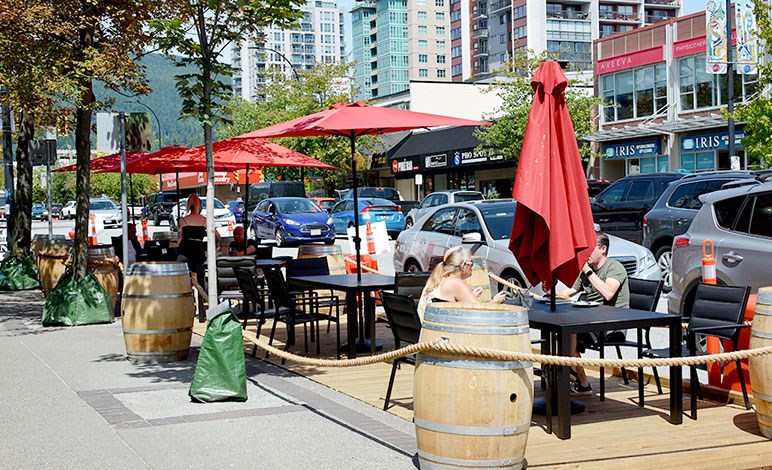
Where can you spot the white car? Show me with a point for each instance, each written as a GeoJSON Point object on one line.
{"type": "Point", "coordinates": [222, 215]}
{"type": "Point", "coordinates": [68, 211]}
{"type": "Point", "coordinates": [485, 227]}
{"type": "Point", "coordinates": [439, 198]}
{"type": "Point", "coordinates": [106, 210]}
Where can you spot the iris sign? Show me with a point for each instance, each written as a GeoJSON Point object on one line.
{"type": "Point", "coordinates": [639, 149]}
{"type": "Point", "coordinates": [714, 141]}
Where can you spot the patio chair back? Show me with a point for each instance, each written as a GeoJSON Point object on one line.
{"type": "Point", "coordinates": [403, 318]}
{"type": "Point", "coordinates": [307, 267]}
{"type": "Point", "coordinates": [278, 288]}
{"type": "Point", "coordinates": [719, 306]}
{"type": "Point", "coordinates": [644, 294]}
{"type": "Point", "coordinates": [410, 283]}
{"type": "Point", "coordinates": [226, 279]}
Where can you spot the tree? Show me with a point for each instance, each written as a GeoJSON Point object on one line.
{"type": "Point", "coordinates": [200, 31]}
{"type": "Point", "coordinates": [509, 121]}
{"type": "Point", "coordinates": [757, 113]}
{"type": "Point", "coordinates": [286, 98]}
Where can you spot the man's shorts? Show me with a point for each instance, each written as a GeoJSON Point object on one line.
{"type": "Point", "coordinates": [590, 340]}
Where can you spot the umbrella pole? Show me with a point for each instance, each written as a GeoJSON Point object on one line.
{"type": "Point", "coordinates": [177, 184]}
{"type": "Point", "coordinates": [131, 192]}
{"type": "Point", "coordinates": [553, 303]}
{"type": "Point", "coordinates": [357, 241]}
{"type": "Point", "coordinates": [246, 204]}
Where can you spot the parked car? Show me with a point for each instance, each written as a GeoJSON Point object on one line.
{"type": "Point", "coordinates": [159, 206]}
{"type": "Point", "coordinates": [619, 209]}
{"type": "Point", "coordinates": [739, 223]}
{"type": "Point", "coordinates": [105, 209]}
{"type": "Point", "coordinates": [439, 198]}
{"type": "Point", "coordinates": [675, 210]}
{"type": "Point", "coordinates": [265, 189]}
{"type": "Point", "coordinates": [370, 210]}
{"type": "Point", "coordinates": [38, 210]}
{"type": "Point", "coordinates": [237, 207]}
{"type": "Point", "coordinates": [222, 215]}
{"type": "Point", "coordinates": [595, 187]}
{"type": "Point", "coordinates": [56, 211]}
{"type": "Point", "coordinates": [325, 203]}
{"type": "Point", "coordinates": [486, 226]}
{"type": "Point", "coordinates": [390, 194]}
{"type": "Point", "coordinates": [292, 220]}
{"type": "Point", "coordinates": [68, 211]}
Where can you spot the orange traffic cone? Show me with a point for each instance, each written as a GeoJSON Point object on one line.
{"type": "Point", "coordinates": [145, 233]}
{"type": "Point", "coordinates": [92, 239]}
{"type": "Point", "coordinates": [370, 239]}
{"type": "Point", "coordinates": [230, 228]}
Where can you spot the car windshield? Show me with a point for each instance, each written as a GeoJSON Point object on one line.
{"type": "Point", "coordinates": [499, 219]}
{"type": "Point", "coordinates": [296, 206]}
{"type": "Point", "coordinates": [384, 193]}
{"type": "Point", "coordinates": [461, 197]}
{"type": "Point", "coordinates": [37, 206]}
{"type": "Point", "coordinates": [102, 206]}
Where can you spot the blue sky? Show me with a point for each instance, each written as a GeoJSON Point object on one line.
{"type": "Point", "coordinates": [693, 6]}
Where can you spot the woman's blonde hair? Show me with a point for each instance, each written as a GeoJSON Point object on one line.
{"type": "Point", "coordinates": [453, 261]}
{"type": "Point", "coordinates": [194, 204]}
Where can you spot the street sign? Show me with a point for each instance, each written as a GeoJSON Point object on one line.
{"type": "Point", "coordinates": [42, 151]}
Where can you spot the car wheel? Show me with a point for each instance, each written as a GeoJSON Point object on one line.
{"type": "Point", "coordinates": [156, 219]}
{"type": "Point", "coordinates": [512, 278]}
{"type": "Point", "coordinates": [329, 242]}
{"type": "Point", "coordinates": [664, 259]}
{"type": "Point", "coordinates": [280, 241]}
{"type": "Point", "coordinates": [412, 267]}
{"type": "Point", "coordinates": [172, 224]}
{"type": "Point", "coordinates": [408, 224]}
{"type": "Point", "coordinates": [251, 232]}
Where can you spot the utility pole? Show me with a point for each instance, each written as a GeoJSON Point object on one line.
{"type": "Point", "coordinates": [8, 166]}
{"type": "Point", "coordinates": [729, 80]}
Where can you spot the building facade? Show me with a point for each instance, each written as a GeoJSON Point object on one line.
{"type": "Point", "coordinates": [661, 108]}
{"type": "Point", "coordinates": [398, 41]}
{"type": "Point", "coordinates": [318, 38]}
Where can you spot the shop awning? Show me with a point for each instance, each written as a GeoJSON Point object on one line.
{"type": "Point", "coordinates": [696, 123]}
{"type": "Point", "coordinates": [628, 132]}
{"type": "Point", "coordinates": [668, 127]}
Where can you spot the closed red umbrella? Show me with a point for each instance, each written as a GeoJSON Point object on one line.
{"type": "Point", "coordinates": [352, 120]}
{"type": "Point", "coordinates": [553, 233]}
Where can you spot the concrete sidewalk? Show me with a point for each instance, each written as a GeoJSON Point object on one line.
{"type": "Point", "coordinates": [70, 399]}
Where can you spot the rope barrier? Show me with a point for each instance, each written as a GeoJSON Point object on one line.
{"type": "Point", "coordinates": [485, 353]}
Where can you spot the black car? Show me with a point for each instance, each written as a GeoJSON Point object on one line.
{"type": "Point", "coordinates": [56, 211]}
{"type": "Point", "coordinates": [619, 209]}
{"type": "Point", "coordinates": [159, 206]}
{"type": "Point", "coordinates": [674, 211]}
{"type": "Point", "coordinates": [595, 187]}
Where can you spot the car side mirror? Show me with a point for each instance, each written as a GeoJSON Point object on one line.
{"type": "Point", "coordinates": [472, 238]}
{"type": "Point", "coordinates": [597, 227]}
{"type": "Point", "coordinates": [593, 200]}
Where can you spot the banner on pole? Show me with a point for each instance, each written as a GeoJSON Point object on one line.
{"type": "Point", "coordinates": [715, 39]}
{"type": "Point", "coordinates": [747, 42]}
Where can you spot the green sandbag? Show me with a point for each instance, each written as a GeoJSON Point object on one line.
{"type": "Point", "coordinates": [221, 373]}
{"type": "Point", "coordinates": [73, 303]}
{"type": "Point", "coordinates": [16, 274]}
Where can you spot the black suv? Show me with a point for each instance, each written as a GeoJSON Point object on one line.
{"type": "Point", "coordinates": [159, 206]}
{"type": "Point", "coordinates": [674, 211]}
{"type": "Point", "coordinates": [619, 209]}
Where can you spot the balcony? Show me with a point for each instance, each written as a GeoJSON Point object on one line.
{"type": "Point", "coordinates": [615, 17]}
{"type": "Point", "coordinates": [479, 14]}
{"type": "Point", "coordinates": [651, 19]}
{"type": "Point", "coordinates": [568, 15]}
{"type": "Point", "coordinates": [664, 3]}
{"type": "Point", "coordinates": [499, 5]}
{"type": "Point", "coordinates": [480, 52]}
{"type": "Point", "coordinates": [480, 33]}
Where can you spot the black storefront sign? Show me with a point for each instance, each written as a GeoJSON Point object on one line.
{"type": "Point", "coordinates": [436, 161]}
{"type": "Point", "coordinates": [449, 160]}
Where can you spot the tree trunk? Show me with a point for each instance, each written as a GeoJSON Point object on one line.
{"type": "Point", "coordinates": [22, 233]}
{"type": "Point", "coordinates": [82, 179]}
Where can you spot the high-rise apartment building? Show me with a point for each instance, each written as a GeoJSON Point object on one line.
{"type": "Point", "coordinates": [485, 33]}
{"type": "Point", "coordinates": [398, 41]}
{"type": "Point", "coordinates": [319, 37]}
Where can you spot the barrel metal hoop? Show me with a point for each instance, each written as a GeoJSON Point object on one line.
{"type": "Point", "coordinates": [764, 296]}
{"type": "Point", "coordinates": [762, 397]}
{"type": "Point", "coordinates": [432, 462]}
{"type": "Point", "coordinates": [158, 296]}
{"type": "Point", "coordinates": [472, 430]}
{"type": "Point", "coordinates": [465, 317]}
{"type": "Point", "coordinates": [157, 332]}
{"type": "Point", "coordinates": [761, 334]}
{"type": "Point", "coordinates": [472, 364]}
{"type": "Point", "coordinates": [477, 331]}
{"type": "Point", "coordinates": [166, 269]}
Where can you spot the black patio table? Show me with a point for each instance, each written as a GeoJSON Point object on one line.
{"type": "Point", "coordinates": [349, 284]}
{"type": "Point", "coordinates": [556, 327]}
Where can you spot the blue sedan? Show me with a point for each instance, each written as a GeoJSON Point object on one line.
{"type": "Point", "coordinates": [292, 220]}
{"type": "Point", "coordinates": [370, 210]}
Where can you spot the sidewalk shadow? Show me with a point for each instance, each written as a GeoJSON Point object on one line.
{"type": "Point", "coordinates": [161, 372]}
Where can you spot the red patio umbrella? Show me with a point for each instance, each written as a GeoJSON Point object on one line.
{"type": "Point", "coordinates": [553, 233]}
{"type": "Point", "coordinates": [353, 120]}
{"type": "Point", "coordinates": [108, 161]}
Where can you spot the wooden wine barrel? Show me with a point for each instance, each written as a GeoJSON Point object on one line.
{"type": "Point", "coordinates": [39, 240]}
{"type": "Point", "coordinates": [760, 367]}
{"type": "Point", "coordinates": [107, 270]}
{"type": "Point", "coordinates": [333, 253]}
{"type": "Point", "coordinates": [171, 236]}
{"type": "Point", "coordinates": [479, 278]}
{"type": "Point", "coordinates": [472, 412]}
{"type": "Point", "coordinates": [50, 260]}
{"type": "Point", "coordinates": [158, 312]}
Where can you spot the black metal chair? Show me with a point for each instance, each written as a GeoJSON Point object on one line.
{"type": "Point", "coordinates": [410, 283]}
{"type": "Point", "coordinates": [644, 295]}
{"type": "Point", "coordinates": [717, 311]}
{"type": "Point", "coordinates": [228, 287]}
{"type": "Point", "coordinates": [253, 299]}
{"type": "Point", "coordinates": [325, 299]}
{"type": "Point", "coordinates": [292, 310]}
{"type": "Point", "coordinates": [405, 326]}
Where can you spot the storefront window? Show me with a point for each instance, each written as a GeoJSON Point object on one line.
{"type": "Point", "coordinates": [634, 93]}
{"type": "Point", "coordinates": [700, 89]}
{"type": "Point", "coordinates": [699, 161]}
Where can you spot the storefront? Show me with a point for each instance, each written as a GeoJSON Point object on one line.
{"type": "Point", "coordinates": [641, 156]}
{"type": "Point", "coordinates": [703, 152]}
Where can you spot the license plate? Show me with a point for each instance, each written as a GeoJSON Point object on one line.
{"type": "Point", "coordinates": [384, 216]}
{"type": "Point", "coordinates": [315, 232]}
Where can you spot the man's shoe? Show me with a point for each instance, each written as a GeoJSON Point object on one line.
{"type": "Point", "coordinates": [579, 390]}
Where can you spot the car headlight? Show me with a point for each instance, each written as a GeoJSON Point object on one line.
{"type": "Point", "coordinates": [329, 221]}
{"type": "Point", "coordinates": [646, 262]}
{"type": "Point", "coordinates": [291, 222]}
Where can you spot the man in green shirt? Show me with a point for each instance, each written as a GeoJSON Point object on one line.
{"type": "Point", "coordinates": [602, 280]}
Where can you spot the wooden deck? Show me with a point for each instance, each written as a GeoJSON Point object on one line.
{"type": "Point", "coordinates": [613, 434]}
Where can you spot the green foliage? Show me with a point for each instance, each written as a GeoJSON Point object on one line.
{"type": "Point", "coordinates": [516, 93]}
{"type": "Point", "coordinates": [286, 98]}
{"type": "Point", "coordinates": [757, 113]}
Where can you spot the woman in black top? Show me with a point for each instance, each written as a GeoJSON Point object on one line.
{"type": "Point", "coordinates": [192, 231]}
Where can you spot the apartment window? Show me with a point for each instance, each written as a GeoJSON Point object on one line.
{"type": "Point", "coordinates": [634, 93]}
{"type": "Point", "coordinates": [423, 58]}
{"type": "Point", "coordinates": [456, 69]}
{"type": "Point", "coordinates": [441, 73]}
{"type": "Point", "coordinates": [502, 38]}
{"type": "Point", "coordinates": [440, 31]}
{"type": "Point", "coordinates": [423, 44]}
{"type": "Point", "coordinates": [423, 73]}
{"type": "Point", "coordinates": [700, 89]}
{"type": "Point", "coordinates": [420, 3]}
{"type": "Point", "coordinates": [440, 45]}
{"type": "Point", "coordinates": [455, 15]}
{"type": "Point", "coordinates": [422, 16]}
{"type": "Point", "coordinates": [455, 33]}
{"type": "Point", "coordinates": [519, 12]}
{"type": "Point", "coordinates": [625, 9]}
{"type": "Point", "coordinates": [423, 30]}
{"type": "Point", "coordinates": [440, 58]}
{"type": "Point", "coordinates": [455, 52]}
{"type": "Point", "coordinates": [439, 3]}
{"type": "Point", "coordinates": [440, 16]}
{"type": "Point", "coordinates": [502, 19]}
{"type": "Point", "coordinates": [520, 32]}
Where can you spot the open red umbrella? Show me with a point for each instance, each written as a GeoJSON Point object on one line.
{"type": "Point", "coordinates": [239, 152]}
{"type": "Point", "coordinates": [553, 233]}
{"type": "Point", "coordinates": [353, 120]}
{"type": "Point", "coordinates": [99, 164]}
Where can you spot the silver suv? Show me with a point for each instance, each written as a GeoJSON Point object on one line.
{"type": "Point", "coordinates": [439, 198]}
{"type": "Point", "coordinates": [739, 223]}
